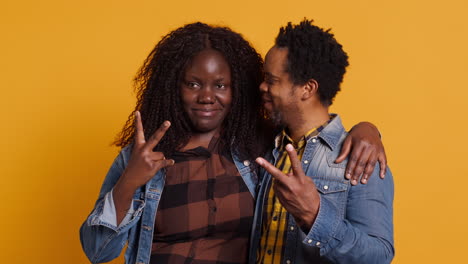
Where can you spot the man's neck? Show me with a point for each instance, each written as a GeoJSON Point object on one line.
{"type": "Point", "coordinates": [312, 119]}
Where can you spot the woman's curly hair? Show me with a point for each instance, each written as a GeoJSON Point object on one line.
{"type": "Point", "coordinates": [158, 90]}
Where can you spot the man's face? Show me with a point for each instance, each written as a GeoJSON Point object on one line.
{"type": "Point", "coordinates": [280, 96]}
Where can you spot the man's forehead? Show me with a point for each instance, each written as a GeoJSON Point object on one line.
{"type": "Point", "coordinates": [276, 59]}
{"type": "Point", "coordinates": [277, 52]}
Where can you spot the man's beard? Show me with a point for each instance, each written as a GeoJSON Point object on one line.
{"type": "Point", "coordinates": [291, 111]}
{"type": "Point", "coordinates": [276, 117]}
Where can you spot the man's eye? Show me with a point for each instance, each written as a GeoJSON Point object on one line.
{"type": "Point", "coordinates": [220, 86]}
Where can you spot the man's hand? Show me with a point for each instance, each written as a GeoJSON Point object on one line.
{"type": "Point", "coordinates": [295, 191]}
{"type": "Point", "coordinates": [366, 149]}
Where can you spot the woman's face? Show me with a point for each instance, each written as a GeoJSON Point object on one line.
{"type": "Point", "coordinates": [206, 90]}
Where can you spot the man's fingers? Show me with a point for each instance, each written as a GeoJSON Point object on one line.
{"type": "Point", "coordinates": [295, 162]}
{"type": "Point", "coordinates": [345, 149]}
{"type": "Point", "coordinates": [275, 172]}
{"type": "Point", "coordinates": [279, 190]}
{"type": "Point", "coordinates": [140, 134]}
{"type": "Point", "coordinates": [158, 135]}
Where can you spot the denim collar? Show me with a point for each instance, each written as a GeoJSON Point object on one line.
{"type": "Point", "coordinates": [331, 134]}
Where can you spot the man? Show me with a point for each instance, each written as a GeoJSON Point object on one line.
{"type": "Point", "coordinates": [306, 211]}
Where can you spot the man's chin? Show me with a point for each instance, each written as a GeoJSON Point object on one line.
{"type": "Point", "coordinates": [268, 106]}
{"type": "Point", "coordinates": [276, 117]}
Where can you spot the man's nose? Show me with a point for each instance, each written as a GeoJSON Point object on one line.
{"type": "Point", "coordinates": [207, 95]}
{"type": "Point", "coordinates": [263, 87]}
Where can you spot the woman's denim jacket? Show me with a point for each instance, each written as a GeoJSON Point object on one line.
{"type": "Point", "coordinates": [354, 223]}
{"type": "Point", "coordinates": [103, 241]}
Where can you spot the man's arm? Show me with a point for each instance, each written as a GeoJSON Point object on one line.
{"type": "Point", "coordinates": [364, 236]}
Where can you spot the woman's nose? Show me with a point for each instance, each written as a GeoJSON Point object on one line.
{"type": "Point", "coordinates": [206, 96]}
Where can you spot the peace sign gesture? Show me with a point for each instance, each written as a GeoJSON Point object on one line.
{"type": "Point", "coordinates": [142, 166]}
{"type": "Point", "coordinates": [295, 191]}
{"type": "Point", "coordinates": [144, 162]}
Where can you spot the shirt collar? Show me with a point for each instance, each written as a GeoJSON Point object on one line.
{"type": "Point", "coordinates": [283, 138]}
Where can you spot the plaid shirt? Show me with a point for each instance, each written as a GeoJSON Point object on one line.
{"type": "Point", "coordinates": [276, 217]}
{"type": "Point", "coordinates": [205, 212]}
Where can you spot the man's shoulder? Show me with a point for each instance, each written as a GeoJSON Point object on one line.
{"type": "Point", "coordinates": [333, 133]}
{"type": "Point", "coordinates": [332, 137]}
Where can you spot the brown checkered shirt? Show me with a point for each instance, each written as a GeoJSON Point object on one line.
{"type": "Point", "coordinates": [205, 212]}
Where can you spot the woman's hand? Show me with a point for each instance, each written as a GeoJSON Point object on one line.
{"type": "Point", "coordinates": [142, 166]}
{"type": "Point", "coordinates": [144, 162]}
{"type": "Point", "coordinates": [365, 145]}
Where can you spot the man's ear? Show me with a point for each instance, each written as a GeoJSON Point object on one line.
{"type": "Point", "coordinates": [310, 89]}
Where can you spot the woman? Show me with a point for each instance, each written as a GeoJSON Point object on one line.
{"type": "Point", "coordinates": [196, 128]}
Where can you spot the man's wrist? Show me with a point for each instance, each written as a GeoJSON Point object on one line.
{"type": "Point", "coordinates": [307, 219]}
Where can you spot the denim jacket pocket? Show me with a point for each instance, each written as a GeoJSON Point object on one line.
{"type": "Point", "coordinates": [334, 190]}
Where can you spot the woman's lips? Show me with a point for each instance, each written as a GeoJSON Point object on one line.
{"type": "Point", "coordinates": [206, 112]}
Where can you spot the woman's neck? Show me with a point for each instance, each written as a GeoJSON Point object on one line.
{"type": "Point", "coordinates": [200, 139]}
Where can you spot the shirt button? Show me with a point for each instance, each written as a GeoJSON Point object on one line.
{"type": "Point", "coordinates": [317, 244]}
{"type": "Point", "coordinates": [288, 261]}
{"type": "Point", "coordinates": [291, 227]}
{"type": "Point", "coordinates": [309, 241]}
{"type": "Point", "coordinates": [246, 163]}
{"type": "Point", "coordinates": [275, 218]}
{"type": "Point", "coordinates": [269, 252]}
{"type": "Point", "coordinates": [314, 140]}
{"type": "Point", "coordinates": [306, 161]}
{"type": "Point", "coordinates": [325, 187]}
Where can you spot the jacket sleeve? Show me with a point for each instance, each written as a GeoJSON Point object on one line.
{"type": "Point", "coordinates": [365, 233]}
{"type": "Point", "coordinates": [100, 238]}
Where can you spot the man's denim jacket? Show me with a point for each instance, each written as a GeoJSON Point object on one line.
{"type": "Point", "coordinates": [354, 223]}
{"type": "Point", "coordinates": [103, 241]}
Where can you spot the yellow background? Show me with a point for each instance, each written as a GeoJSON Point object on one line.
{"type": "Point", "coordinates": [66, 71]}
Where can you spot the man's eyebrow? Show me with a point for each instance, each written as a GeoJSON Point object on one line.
{"type": "Point", "coordinates": [270, 75]}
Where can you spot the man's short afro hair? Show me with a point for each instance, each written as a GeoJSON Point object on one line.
{"type": "Point", "coordinates": [313, 53]}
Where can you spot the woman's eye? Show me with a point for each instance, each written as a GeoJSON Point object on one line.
{"type": "Point", "coordinates": [193, 84]}
{"type": "Point", "coordinates": [220, 86]}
